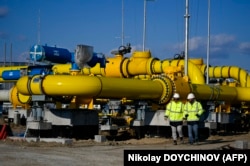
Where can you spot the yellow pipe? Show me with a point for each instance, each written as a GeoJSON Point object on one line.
{"type": "Point", "coordinates": [96, 70]}
{"type": "Point", "coordinates": [112, 68]}
{"type": "Point", "coordinates": [243, 94]}
{"type": "Point", "coordinates": [93, 87]}
{"type": "Point", "coordinates": [14, 97]}
{"type": "Point", "coordinates": [61, 68]}
{"type": "Point", "coordinates": [197, 61]}
{"type": "Point", "coordinates": [18, 99]}
{"type": "Point", "coordinates": [221, 93]}
{"type": "Point", "coordinates": [140, 63]}
{"type": "Point", "coordinates": [159, 89]}
{"type": "Point", "coordinates": [229, 72]}
{"type": "Point", "coordinates": [215, 93]}
{"type": "Point", "coordinates": [194, 73]}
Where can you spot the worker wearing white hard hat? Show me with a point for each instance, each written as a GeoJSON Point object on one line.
{"type": "Point", "coordinates": [193, 110]}
{"type": "Point", "coordinates": [190, 96]}
{"type": "Point", "coordinates": [176, 96]}
{"type": "Point", "coordinates": [174, 112]}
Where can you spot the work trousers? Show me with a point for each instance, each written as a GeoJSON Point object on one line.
{"type": "Point", "coordinates": [176, 129]}
{"type": "Point", "coordinates": [192, 129]}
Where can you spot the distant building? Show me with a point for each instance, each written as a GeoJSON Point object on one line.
{"type": "Point", "coordinates": [2, 64]}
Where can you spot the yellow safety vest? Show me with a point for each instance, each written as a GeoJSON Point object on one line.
{"type": "Point", "coordinates": [192, 110]}
{"type": "Point", "coordinates": [174, 110]}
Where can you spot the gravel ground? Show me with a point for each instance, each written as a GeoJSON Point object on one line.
{"type": "Point", "coordinates": [89, 152]}
{"type": "Point", "coordinates": [18, 152]}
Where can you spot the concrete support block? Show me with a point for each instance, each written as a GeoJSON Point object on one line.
{"type": "Point", "coordinates": [63, 141]}
{"type": "Point", "coordinates": [100, 138]}
{"type": "Point", "coordinates": [241, 144]}
{"type": "Point", "coordinates": [211, 125]}
{"type": "Point", "coordinates": [138, 123]}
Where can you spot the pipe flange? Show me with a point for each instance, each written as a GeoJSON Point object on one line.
{"type": "Point", "coordinates": [167, 85]}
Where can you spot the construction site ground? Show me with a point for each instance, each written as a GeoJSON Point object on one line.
{"type": "Point", "coordinates": [89, 152]}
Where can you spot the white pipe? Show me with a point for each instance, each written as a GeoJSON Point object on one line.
{"type": "Point", "coordinates": [5, 95]}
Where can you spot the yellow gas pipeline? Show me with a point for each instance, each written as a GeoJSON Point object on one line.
{"type": "Point", "coordinates": [96, 87]}
{"type": "Point", "coordinates": [159, 89]}
{"type": "Point", "coordinates": [234, 72]}
{"type": "Point", "coordinates": [140, 63]}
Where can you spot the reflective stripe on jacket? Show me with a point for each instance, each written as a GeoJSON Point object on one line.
{"type": "Point", "coordinates": [174, 110]}
{"type": "Point", "coordinates": [192, 110]}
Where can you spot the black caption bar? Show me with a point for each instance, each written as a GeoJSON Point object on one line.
{"type": "Point", "coordinates": [173, 157]}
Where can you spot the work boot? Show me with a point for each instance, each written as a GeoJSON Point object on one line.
{"type": "Point", "coordinates": [181, 140]}
{"type": "Point", "coordinates": [175, 142]}
{"type": "Point", "coordinates": [196, 142]}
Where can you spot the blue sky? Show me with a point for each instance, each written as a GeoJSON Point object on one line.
{"type": "Point", "coordinates": [98, 23]}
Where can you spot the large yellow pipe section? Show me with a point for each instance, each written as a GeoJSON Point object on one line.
{"type": "Point", "coordinates": [194, 73]}
{"type": "Point", "coordinates": [157, 89]}
{"type": "Point", "coordinates": [221, 93]}
{"type": "Point", "coordinates": [229, 72]}
{"type": "Point", "coordinates": [140, 63]}
{"type": "Point", "coordinates": [95, 87]}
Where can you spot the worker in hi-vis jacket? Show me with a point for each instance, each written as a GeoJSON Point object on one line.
{"type": "Point", "coordinates": [174, 112]}
{"type": "Point", "coordinates": [193, 111]}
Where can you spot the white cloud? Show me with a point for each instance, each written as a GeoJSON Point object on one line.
{"type": "Point", "coordinates": [245, 47]}
{"type": "Point", "coordinates": [220, 46]}
{"type": "Point", "coordinates": [196, 42]}
{"type": "Point", "coordinates": [221, 39]}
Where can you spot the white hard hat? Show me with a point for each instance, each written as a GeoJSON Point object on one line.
{"type": "Point", "coordinates": [190, 96]}
{"type": "Point", "coordinates": [176, 96]}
